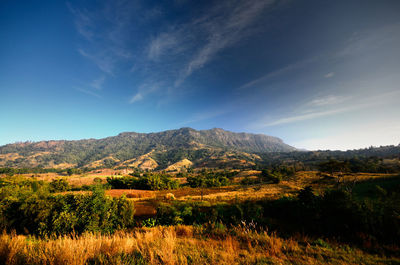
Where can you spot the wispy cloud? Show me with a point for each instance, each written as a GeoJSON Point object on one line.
{"type": "Point", "coordinates": [104, 63]}
{"type": "Point", "coordinates": [329, 75]}
{"type": "Point", "coordinates": [327, 100]}
{"type": "Point", "coordinates": [279, 72]}
{"type": "Point", "coordinates": [88, 92]}
{"type": "Point", "coordinates": [170, 52]}
{"type": "Point", "coordinates": [371, 39]}
{"type": "Point", "coordinates": [143, 90]}
{"type": "Point", "coordinates": [137, 97]}
{"type": "Point", "coordinates": [83, 22]}
{"type": "Point", "coordinates": [223, 29]}
{"type": "Point", "coordinates": [104, 28]}
{"type": "Point", "coordinates": [334, 108]}
{"type": "Point", "coordinates": [313, 115]}
{"type": "Point", "coordinates": [161, 44]}
{"type": "Point", "coordinates": [98, 83]}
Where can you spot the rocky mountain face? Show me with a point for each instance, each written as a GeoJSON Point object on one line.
{"type": "Point", "coordinates": [167, 149]}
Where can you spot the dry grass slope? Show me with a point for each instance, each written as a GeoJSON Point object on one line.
{"type": "Point", "coordinates": [176, 245]}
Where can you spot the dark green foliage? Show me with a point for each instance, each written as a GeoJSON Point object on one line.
{"type": "Point", "coordinates": [210, 179]}
{"type": "Point", "coordinates": [270, 176]}
{"type": "Point", "coordinates": [37, 170]}
{"type": "Point", "coordinates": [59, 185]}
{"type": "Point", "coordinates": [335, 213]}
{"type": "Point", "coordinates": [250, 181]}
{"type": "Point", "coordinates": [377, 188]}
{"type": "Point", "coordinates": [27, 210]}
{"type": "Point", "coordinates": [334, 166]}
{"type": "Point", "coordinates": [276, 174]}
{"type": "Point", "coordinates": [384, 159]}
{"type": "Point", "coordinates": [149, 181]}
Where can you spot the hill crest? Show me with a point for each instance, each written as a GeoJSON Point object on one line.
{"type": "Point", "coordinates": [166, 148]}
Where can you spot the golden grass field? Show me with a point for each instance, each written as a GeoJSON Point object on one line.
{"type": "Point", "coordinates": [178, 245]}
{"type": "Point", "coordinates": [190, 244]}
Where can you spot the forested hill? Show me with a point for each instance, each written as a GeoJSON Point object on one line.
{"type": "Point", "coordinates": [184, 146]}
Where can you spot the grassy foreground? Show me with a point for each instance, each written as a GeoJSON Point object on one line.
{"type": "Point", "coordinates": [180, 245]}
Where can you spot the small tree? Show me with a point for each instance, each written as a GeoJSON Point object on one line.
{"type": "Point", "coordinates": [58, 185]}
{"type": "Point", "coordinates": [333, 167]}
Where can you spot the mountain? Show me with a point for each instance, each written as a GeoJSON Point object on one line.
{"type": "Point", "coordinates": [161, 150]}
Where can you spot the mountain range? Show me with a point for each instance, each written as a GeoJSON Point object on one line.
{"type": "Point", "coordinates": [170, 150]}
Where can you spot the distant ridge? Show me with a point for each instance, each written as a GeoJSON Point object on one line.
{"type": "Point", "coordinates": [214, 147]}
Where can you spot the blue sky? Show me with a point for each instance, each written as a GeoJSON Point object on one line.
{"type": "Point", "coordinates": [318, 74]}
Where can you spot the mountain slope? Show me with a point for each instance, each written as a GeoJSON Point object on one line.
{"type": "Point", "coordinates": [165, 148]}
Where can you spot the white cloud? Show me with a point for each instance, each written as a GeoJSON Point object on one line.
{"type": "Point", "coordinates": [370, 40]}
{"type": "Point", "coordinates": [136, 98]}
{"type": "Point", "coordinates": [329, 75]}
{"type": "Point", "coordinates": [98, 83]}
{"type": "Point", "coordinates": [333, 103]}
{"type": "Point", "coordinates": [176, 51]}
{"type": "Point", "coordinates": [105, 30]}
{"type": "Point", "coordinates": [88, 92]}
{"type": "Point", "coordinates": [282, 71]}
{"type": "Point", "coordinates": [161, 44]}
{"type": "Point", "coordinates": [309, 116]}
{"type": "Point", "coordinates": [224, 26]}
{"type": "Point", "coordinates": [83, 22]}
{"type": "Point", "coordinates": [327, 100]}
{"type": "Point", "coordinates": [145, 89]}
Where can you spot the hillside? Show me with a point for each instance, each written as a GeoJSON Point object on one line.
{"type": "Point", "coordinates": [215, 147]}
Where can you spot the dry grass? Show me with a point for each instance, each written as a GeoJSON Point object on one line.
{"type": "Point", "coordinates": [132, 193]}
{"type": "Point", "coordinates": [253, 192]}
{"type": "Point", "coordinates": [176, 245]}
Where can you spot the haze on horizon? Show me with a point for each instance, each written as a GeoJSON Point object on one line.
{"type": "Point", "coordinates": [317, 74]}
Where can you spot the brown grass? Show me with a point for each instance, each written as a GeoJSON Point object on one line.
{"type": "Point", "coordinates": [177, 245]}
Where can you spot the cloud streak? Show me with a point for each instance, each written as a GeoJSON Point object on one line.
{"type": "Point", "coordinates": [98, 83]}
{"type": "Point", "coordinates": [329, 75]}
{"type": "Point", "coordinates": [223, 29]}
{"type": "Point", "coordinates": [327, 100]}
{"type": "Point", "coordinates": [279, 72]}
{"type": "Point", "coordinates": [104, 29]}
{"type": "Point", "coordinates": [88, 92]}
{"type": "Point", "coordinates": [334, 103]}
{"type": "Point", "coordinates": [160, 45]}
{"type": "Point", "coordinates": [143, 90]}
{"type": "Point", "coordinates": [313, 115]}
{"type": "Point", "coordinates": [170, 52]}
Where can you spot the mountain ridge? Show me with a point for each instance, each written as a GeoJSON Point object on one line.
{"type": "Point", "coordinates": [166, 148]}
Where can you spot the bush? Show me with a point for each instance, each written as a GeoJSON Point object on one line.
{"type": "Point", "coordinates": [41, 213]}
{"type": "Point", "coordinates": [149, 181]}
{"type": "Point", "coordinates": [208, 180]}
{"type": "Point", "coordinates": [59, 185]}
{"type": "Point", "coordinates": [250, 181]}
{"type": "Point", "coordinates": [271, 176]}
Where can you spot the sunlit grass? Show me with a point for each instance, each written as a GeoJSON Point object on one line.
{"type": "Point", "coordinates": [179, 245]}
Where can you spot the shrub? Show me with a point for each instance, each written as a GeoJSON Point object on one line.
{"type": "Point", "coordinates": [208, 180]}
{"type": "Point", "coordinates": [41, 213]}
{"type": "Point", "coordinates": [271, 176]}
{"type": "Point", "coordinates": [149, 181]}
{"type": "Point", "coordinates": [59, 185]}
